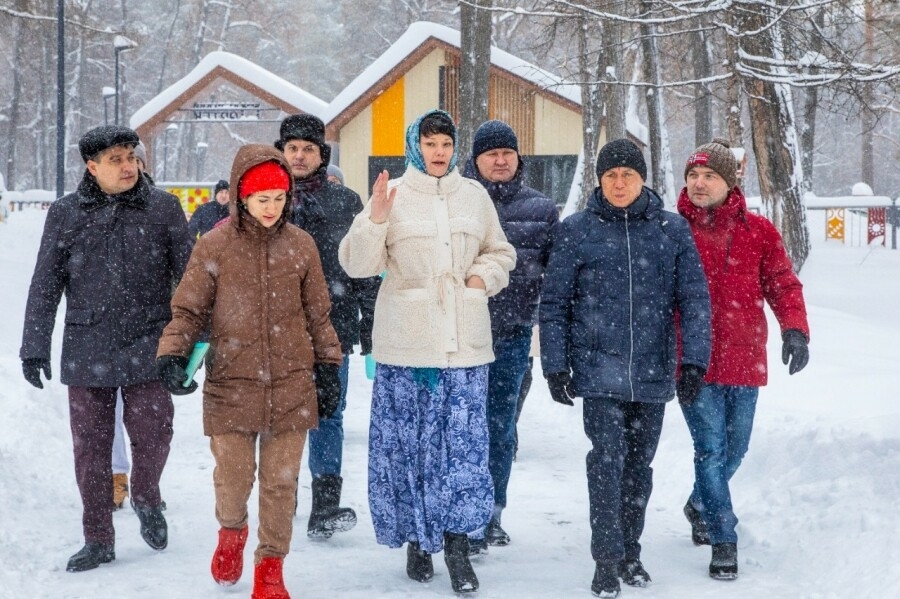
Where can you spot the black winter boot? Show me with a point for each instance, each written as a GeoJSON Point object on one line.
{"type": "Point", "coordinates": [154, 529]}
{"type": "Point", "coordinates": [606, 580]}
{"type": "Point", "coordinates": [326, 516]}
{"type": "Point", "coordinates": [632, 573]}
{"type": "Point", "coordinates": [699, 533]}
{"type": "Point", "coordinates": [418, 563]}
{"type": "Point", "coordinates": [723, 565]}
{"type": "Point", "coordinates": [90, 556]}
{"type": "Point", "coordinates": [456, 556]}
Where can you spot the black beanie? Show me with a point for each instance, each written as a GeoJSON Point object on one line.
{"type": "Point", "coordinates": [621, 152]}
{"type": "Point", "coordinates": [308, 128]}
{"type": "Point", "coordinates": [492, 135]}
{"type": "Point", "coordinates": [222, 184]}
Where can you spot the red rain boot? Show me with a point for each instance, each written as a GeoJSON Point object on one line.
{"type": "Point", "coordinates": [267, 580]}
{"type": "Point", "coordinates": [228, 560]}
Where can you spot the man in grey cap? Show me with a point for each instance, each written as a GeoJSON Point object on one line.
{"type": "Point", "coordinates": [116, 247]}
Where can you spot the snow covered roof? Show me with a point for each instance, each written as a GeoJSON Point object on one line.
{"type": "Point", "coordinates": [812, 201]}
{"type": "Point", "coordinates": [237, 70]}
{"type": "Point", "coordinates": [421, 32]}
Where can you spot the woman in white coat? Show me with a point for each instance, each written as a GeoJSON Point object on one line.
{"type": "Point", "coordinates": [437, 238]}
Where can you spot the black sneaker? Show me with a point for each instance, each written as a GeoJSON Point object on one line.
{"type": "Point", "coordinates": [154, 529]}
{"type": "Point", "coordinates": [723, 565]}
{"type": "Point", "coordinates": [495, 535]}
{"type": "Point", "coordinates": [90, 556]}
{"type": "Point", "coordinates": [632, 573]}
{"type": "Point", "coordinates": [606, 580]}
{"type": "Point", "coordinates": [699, 533]}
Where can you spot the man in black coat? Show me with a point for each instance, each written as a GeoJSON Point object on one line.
{"type": "Point", "coordinates": [528, 219]}
{"type": "Point", "coordinates": [326, 210]}
{"type": "Point", "coordinates": [206, 216]}
{"type": "Point", "coordinates": [116, 247]}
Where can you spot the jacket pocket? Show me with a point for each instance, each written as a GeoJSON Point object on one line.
{"type": "Point", "coordinates": [80, 316]}
{"type": "Point", "coordinates": [476, 325]}
{"type": "Point", "coordinates": [408, 323]}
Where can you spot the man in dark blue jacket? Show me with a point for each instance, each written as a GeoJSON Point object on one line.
{"type": "Point", "coordinates": [116, 247]}
{"type": "Point", "coordinates": [207, 215]}
{"type": "Point", "coordinates": [326, 210]}
{"type": "Point", "coordinates": [528, 219]}
{"type": "Point", "coordinates": [619, 273]}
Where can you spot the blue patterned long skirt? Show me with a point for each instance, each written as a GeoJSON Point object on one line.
{"type": "Point", "coordinates": [428, 454]}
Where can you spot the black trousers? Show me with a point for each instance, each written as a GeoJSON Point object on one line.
{"type": "Point", "coordinates": [624, 435]}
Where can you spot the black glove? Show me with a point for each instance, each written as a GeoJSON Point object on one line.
{"type": "Point", "coordinates": [561, 390]}
{"type": "Point", "coordinates": [689, 383]}
{"type": "Point", "coordinates": [795, 349]}
{"type": "Point", "coordinates": [328, 389]}
{"type": "Point", "coordinates": [32, 367]}
{"type": "Point", "coordinates": [172, 373]}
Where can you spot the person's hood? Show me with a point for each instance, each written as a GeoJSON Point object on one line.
{"type": "Point", "coordinates": [246, 158]}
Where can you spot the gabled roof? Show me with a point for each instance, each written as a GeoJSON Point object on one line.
{"type": "Point", "coordinates": [419, 40]}
{"type": "Point", "coordinates": [238, 71]}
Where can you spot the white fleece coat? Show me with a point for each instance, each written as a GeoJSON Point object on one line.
{"type": "Point", "coordinates": [440, 232]}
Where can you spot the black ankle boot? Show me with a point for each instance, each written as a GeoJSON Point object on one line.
{"type": "Point", "coordinates": [606, 580]}
{"type": "Point", "coordinates": [326, 516]}
{"type": "Point", "coordinates": [699, 533]}
{"type": "Point", "coordinates": [456, 556]}
{"type": "Point", "coordinates": [154, 529]}
{"type": "Point", "coordinates": [632, 573]}
{"type": "Point", "coordinates": [418, 563]}
{"type": "Point", "coordinates": [723, 565]}
{"type": "Point", "coordinates": [90, 556]}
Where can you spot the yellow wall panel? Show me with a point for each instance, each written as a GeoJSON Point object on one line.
{"type": "Point", "coordinates": [388, 121]}
{"type": "Point", "coordinates": [557, 129]}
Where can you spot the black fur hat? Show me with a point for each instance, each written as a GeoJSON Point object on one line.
{"type": "Point", "coordinates": [306, 127]}
{"type": "Point", "coordinates": [105, 136]}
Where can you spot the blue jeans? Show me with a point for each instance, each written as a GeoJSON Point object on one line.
{"type": "Point", "coordinates": [624, 436]}
{"type": "Point", "coordinates": [326, 443]}
{"type": "Point", "coordinates": [720, 421]}
{"type": "Point", "coordinates": [504, 381]}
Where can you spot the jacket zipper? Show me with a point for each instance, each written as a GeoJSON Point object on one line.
{"type": "Point", "coordinates": [630, 310]}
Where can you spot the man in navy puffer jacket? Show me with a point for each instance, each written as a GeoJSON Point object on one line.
{"type": "Point", "coordinates": [528, 219]}
{"type": "Point", "coordinates": [619, 272]}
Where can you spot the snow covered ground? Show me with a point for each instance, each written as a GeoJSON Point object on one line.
{"type": "Point", "coordinates": [818, 495]}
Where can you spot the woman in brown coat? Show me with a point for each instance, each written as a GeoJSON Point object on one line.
{"type": "Point", "coordinates": [256, 284]}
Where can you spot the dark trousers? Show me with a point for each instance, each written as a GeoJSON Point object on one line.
{"type": "Point", "coordinates": [624, 435]}
{"type": "Point", "coordinates": [148, 413]}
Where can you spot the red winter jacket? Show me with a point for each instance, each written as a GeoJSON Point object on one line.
{"type": "Point", "coordinates": [745, 263]}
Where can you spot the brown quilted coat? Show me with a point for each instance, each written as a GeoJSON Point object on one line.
{"type": "Point", "coordinates": [262, 294]}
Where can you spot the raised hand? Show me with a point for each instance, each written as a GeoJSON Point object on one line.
{"type": "Point", "coordinates": [381, 201]}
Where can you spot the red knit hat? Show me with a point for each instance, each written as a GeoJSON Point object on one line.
{"type": "Point", "coordinates": [263, 177]}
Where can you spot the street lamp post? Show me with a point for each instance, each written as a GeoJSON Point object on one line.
{"type": "Point", "coordinates": [121, 44]}
{"type": "Point", "coordinates": [171, 127]}
{"type": "Point", "coordinates": [108, 92]}
{"type": "Point", "coordinates": [201, 155]}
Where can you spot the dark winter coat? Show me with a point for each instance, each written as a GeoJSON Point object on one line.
{"type": "Point", "coordinates": [615, 280]}
{"type": "Point", "coordinates": [528, 219]}
{"type": "Point", "coordinates": [262, 295]}
{"type": "Point", "coordinates": [326, 210]}
{"type": "Point", "coordinates": [117, 259]}
{"type": "Point", "coordinates": [745, 263]}
{"type": "Point", "coordinates": [205, 217]}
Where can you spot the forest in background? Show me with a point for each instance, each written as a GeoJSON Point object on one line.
{"type": "Point", "coordinates": [825, 70]}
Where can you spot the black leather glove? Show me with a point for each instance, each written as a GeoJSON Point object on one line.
{"type": "Point", "coordinates": [32, 367]}
{"type": "Point", "coordinates": [689, 383]}
{"type": "Point", "coordinates": [561, 390]}
{"type": "Point", "coordinates": [795, 349]}
{"type": "Point", "coordinates": [328, 389]}
{"type": "Point", "coordinates": [172, 373]}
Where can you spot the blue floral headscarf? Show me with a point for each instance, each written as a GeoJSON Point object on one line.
{"type": "Point", "coordinates": [414, 152]}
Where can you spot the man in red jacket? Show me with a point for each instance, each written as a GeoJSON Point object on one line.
{"type": "Point", "coordinates": [745, 263]}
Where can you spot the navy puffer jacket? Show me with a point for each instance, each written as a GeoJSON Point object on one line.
{"type": "Point", "coordinates": [528, 219]}
{"type": "Point", "coordinates": [615, 280]}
